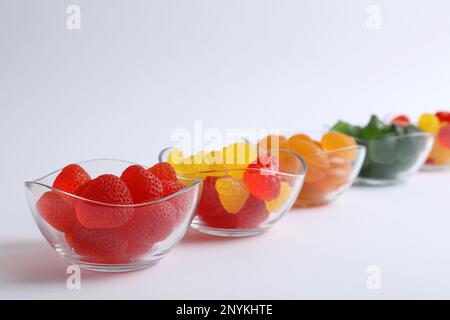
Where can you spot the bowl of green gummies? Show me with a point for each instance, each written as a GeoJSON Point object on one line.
{"type": "Point", "coordinates": [393, 151]}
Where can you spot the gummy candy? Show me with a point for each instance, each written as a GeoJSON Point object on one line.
{"type": "Point", "coordinates": [443, 116]}
{"type": "Point", "coordinates": [336, 140]}
{"type": "Point", "coordinates": [142, 184]}
{"type": "Point", "coordinates": [99, 245]}
{"type": "Point", "coordinates": [252, 214]}
{"type": "Point", "coordinates": [232, 193]}
{"type": "Point", "coordinates": [107, 189]}
{"type": "Point", "coordinates": [276, 204]}
{"type": "Point", "coordinates": [151, 223]}
{"type": "Point", "coordinates": [260, 179]}
{"type": "Point", "coordinates": [347, 128]}
{"type": "Point", "coordinates": [163, 171]}
{"type": "Point", "coordinates": [391, 148]}
{"type": "Point", "coordinates": [209, 207]}
{"type": "Point", "coordinates": [444, 136]}
{"type": "Point", "coordinates": [401, 120]}
{"type": "Point", "coordinates": [71, 178]}
{"type": "Point", "coordinates": [429, 123]}
{"type": "Point", "coordinates": [171, 187]}
{"type": "Point", "coordinates": [57, 211]}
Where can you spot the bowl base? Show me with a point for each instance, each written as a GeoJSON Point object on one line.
{"type": "Point", "coordinates": [361, 181]}
{"type": "Point", "coordinates": [308, 203]}
{"type": "Point", "coordinates": [228, 232]}
{"type": "Point", "coordinates": [110, 268]}
{"type": "Point", "coordinates": [435, 167]}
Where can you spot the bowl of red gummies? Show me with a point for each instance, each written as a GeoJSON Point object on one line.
{"type": "Point", "coordinates": [113, 215]}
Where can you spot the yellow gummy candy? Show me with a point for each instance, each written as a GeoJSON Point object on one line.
{"type": "Point", "coordinates": [277, 203]}
{"type": "Point", "coordinates": [232, 193]}
{"type": "Point", "coordinates": [429, 123]}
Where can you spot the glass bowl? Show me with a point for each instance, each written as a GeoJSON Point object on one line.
{"type": "Point", "coordinates": [246, 201]}
{"type": "Point", "coordinates": [329, 175]}
{"type": "Point", "coordinates": [392, 159]}
{"type": "Point", "coordinates": [330, 172]}
{"type": "Point", "coordinates": [137, 244]}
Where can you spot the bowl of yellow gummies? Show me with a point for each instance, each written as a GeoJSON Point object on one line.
{"type": "Point", "coordinates": [243, 193]}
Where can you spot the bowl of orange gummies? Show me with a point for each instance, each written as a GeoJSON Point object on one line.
{"type": "Point", "coordinates": [333, 162]}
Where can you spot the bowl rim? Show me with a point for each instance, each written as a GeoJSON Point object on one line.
{"type": "Point", "coordinates": [37, 182]}
{"type": "Point", "coordinates": [288, 134]}
{"type": "Point", "coordinates": [398, 137]}
{"type": "Point", "coordinates": [302, 173]}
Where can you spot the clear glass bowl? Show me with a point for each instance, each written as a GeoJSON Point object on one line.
{"type": "Point", "coordinates": [392, 159]}
{"type": "Point", "coordinates": [132, 246]}
{"type": "Point", "coordinates": [237, 210]}
{"type": "Point", "coordinates": [439, 157]}
{"type": "Point", "coordinates": [329, 175]}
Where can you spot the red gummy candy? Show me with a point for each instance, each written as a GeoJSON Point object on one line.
{"type": "Point", "coordinates": [401, 120]}
{"type": "Point", "coordinates": [210, 209]}
{"type": "Point", "coordinates": [212, 213]}
{"type": "Point", "coordinates": [444, 136]}
{"type": "Point", "coordinates": [99, 245]}
{"type": "Point", "coordinates": [260, 179]}
{"type": "Point", "coordinates": [107, 189]}
{"type": "Point", "coordinates": [71, 178]}
{"type": "Point", "coordinates": [164, 171]}
{"type": "Point", "coordinates": [444, 116]}
{"type": "Point", "coordinates": [151, 223]}
{"type": "Point", "coordinates": [252, 214]}
{"type": "Point", "coordinates": [181, 202]}
{"type": "Point", "coordinates": [143, 185]}
{"type": "Point", "coordinates": [58, 212]}
{"type": "Point", "coordinates": [171, 187]}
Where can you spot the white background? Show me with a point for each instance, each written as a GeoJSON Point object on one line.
{"type": "Point", "coordinates": [137, 70]}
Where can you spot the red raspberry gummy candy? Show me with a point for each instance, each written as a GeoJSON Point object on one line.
{"type": "Point", "coordinates": [252, 214]}
{"type": "Point", "coordinates": [210, 209]}
{"type": "Point", "coordinates": [143, 185]}
{"type": "Point", "coordinates": [151, 223]}
{"type": "Point", "coordinates": [108, 189]}
{"type": "Point", "coordinates": [444, 116]}
{"type": "Point", "coordinates": [71, 178]}
{"type": "Point", "coordinates": [164, 171]}
{"type": "Point", "coordinates": [260, 179]}
{"type": "Point", "coordinates": [58, 212]}
{"type": "Point", "coordinates": [99, 245]}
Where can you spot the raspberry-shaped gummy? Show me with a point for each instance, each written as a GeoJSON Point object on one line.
{"type": "Point", "coordinates": [163, 171]}
{"type": "Point", "coordinates": [99, 245]}
{"type": "Point", "coordinates": [276, 204]}
{"type": "Point", "coordinates": [261, 179]}
{"type": "Point", "coordinates": [107, 189]}
{"type": "Point", "coordinates": [209, 208]}
{"type": "Point", "coordinates": [57, 211]}
{"type": "Point", "coordinates": [152, 223]}
{"type": "Point", "coordinates": [143, 185]}
{"type": "Point", "coordinates": [71, 178]}
{"type": "Point", "coordinates": [232, 193]}
{"type": "Point", "coordinates": [252, 214]}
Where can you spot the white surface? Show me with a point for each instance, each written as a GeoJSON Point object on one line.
{"type": "Point", "coordinates": [137, 70]}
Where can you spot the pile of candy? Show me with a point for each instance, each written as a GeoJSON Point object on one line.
{"type": "Point", "coordinates": [439, 125]}
{"type": "Point", "coordinates": [110, 219]}
{"type": "Point", "coordinates": [329, 161]}
{"type": "Point", "coordinates": [392, 149]}
{"type": "Point", "coordinates": [240, 189]}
